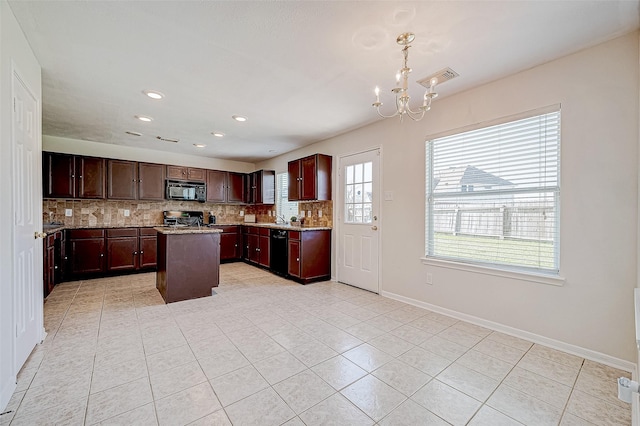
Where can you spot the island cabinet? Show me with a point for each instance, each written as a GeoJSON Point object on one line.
{"type": "Point", "coordinates": [73, 176]}
{"type": "Point", "coordinates": [309, 255]}
{"type": "Point", "coordinates": [186, 173]}
{"type": "Point", "coordinates": [148, 248]}
{"type": "Point", "coordinates": [188, 263]}
{"type": "Point", "coordinates": [310, 178]}
{"type": "Point", "coordinates": [256, 245]}
{"type": "Point", "coordinates": [225, 187]}
{"type": "Point", "coordinates": [261, 187]}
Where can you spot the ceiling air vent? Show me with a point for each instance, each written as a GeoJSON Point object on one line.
{"type": "Point", "coordinates": [442, 76]}
{"type": "Point", "coordinates": [133, 133]}
{"type": "Point", "coordinates": [167, 139]}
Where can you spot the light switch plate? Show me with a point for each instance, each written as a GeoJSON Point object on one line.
{"type": "Point", "coordinates": [127, 213]}
{"type": "Point", "coordinates": [68, 212]}
{"type": "Point", "coordinates": [319, 213]}
{"type": "Point", "coordinates": [241, 213]}
{"type": "Point", "coordinates": [269, 212]}
{"type": "Point", "coordinates": [388, 195]}
{"type": "Point", "coordinates": [301, 213]}
{"type": "Point", "coordinates": [308, 213]}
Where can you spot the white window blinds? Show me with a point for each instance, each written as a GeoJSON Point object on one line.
{"type": "Point", "coordinates": [284, 208]}
{"type": "Point", "coordinates": [493, 195]}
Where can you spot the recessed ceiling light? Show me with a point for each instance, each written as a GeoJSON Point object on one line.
{"type": "Point", "coordinates": [144, 118]}
{"type": "Point", "coordinates": [239, 118]}
{"type": "Point", "coordinates": [218, 134]}
{"type": "Point", "coordinates": [199, 145]}
{"type": "Point", "coordinates": [153, 94]}
{"type": "Point", "coordinates": [133, 133]}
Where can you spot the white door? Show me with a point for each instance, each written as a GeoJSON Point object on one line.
{"type": "Point", "coordinates": [358, 221]}
{"type": "Point", "coordinates": [27, 206]}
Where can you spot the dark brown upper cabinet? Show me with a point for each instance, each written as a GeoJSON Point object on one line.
{"type": "Point", "coordinates": [225, 187]}
{"type": "Point", "coordinates": [261, 187]}
{"type": "Point", "coordinates": [122, 179]}
{"type": "Point", "coordinates": [151, 181]}
{"type": "Point", "coordinates": [310, 178]}
{"type": "Point", "coordinates": [186, 173]}
{"type": "Point", "coordinates": [72, 176]}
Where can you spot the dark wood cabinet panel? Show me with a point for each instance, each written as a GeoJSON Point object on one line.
{"type": "Point", "coordinates": [122, 179]}
{"type": "Point", "coordinates": [261, 187]}
{"type": "Point", "coordinates": [294, 258]}
{"type": "Point", "coordinates": [310, 178]}
{"type": "Point", "coordinates": [53, 261]}
{"type": "Point", "coordinates": [216, 186]}
{"type": "Point", "coordinates": [151, 181]}
{"type": "Point", "coordinates": [90, 177]}
{"type": "Point", "coordinates": [229, 243]}
{"type": "Point", "coordinates": [264, 258]}
{"type": "Point", "coordinates": [122, 254]}
{"type": "Point", "coordinates": [86, 256]}
{"type": "Point", "coordinates": [309, 255]}
{"type": "Point", "coordinates": [58, 173]}
{"type": "Point", "coordinates": [235, 187]}
{"type": "Point", "coordinates": [148, 252]}
{"type": "Point", "coordinates": [186, 173]}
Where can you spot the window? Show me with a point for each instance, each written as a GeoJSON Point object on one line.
{"type": "Point", "coordinates": [358, 193]}
{"type": "Point", "coordinates": [492, 194]}
{"type": "Point", "coordinates": [284, 208]}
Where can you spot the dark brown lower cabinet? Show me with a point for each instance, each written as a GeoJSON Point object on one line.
{"type": "Point", "coordinates": [86, 251]}
{"type": "Point", "coordinates": [309, 255]}
{"type": "Point", "coordinates": [230, 242]}
{"type": "Point", "coordinates": [53, 270]}
{"type": "Point", "coordinates": [112, 250]}
{"type": "Point", "coordinates": [256, 245]}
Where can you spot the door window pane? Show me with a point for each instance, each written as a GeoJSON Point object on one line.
{"type": "Point", "coordinates": [359, 193]}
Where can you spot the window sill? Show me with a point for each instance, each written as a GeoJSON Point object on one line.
{"type": "Point", "coordinates": [554, 280]}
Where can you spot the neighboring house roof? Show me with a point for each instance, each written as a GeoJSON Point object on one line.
{"type": "Point", "coordinates": [454, 177]}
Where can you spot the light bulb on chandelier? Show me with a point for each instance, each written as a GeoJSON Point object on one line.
{"type": "Point", "coordinates": [400, 91]}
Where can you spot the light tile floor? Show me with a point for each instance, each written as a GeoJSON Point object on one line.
{"type": "Point", "coordinates": [268, 351]}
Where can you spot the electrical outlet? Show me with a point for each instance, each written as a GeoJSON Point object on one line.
{"type": "Point", "coordinates": [429, 279]}
{"type": "Point", "coordinates": [68, 212]}
{"type": "Point", "coordinates": [388, 195]}
{"type": "Point", "coordinates": [269, 212]}
{"type": "Point", "coordinates": [301, 213]}
{"type": "Point", "coordinates": [319, 213]}
{"type": "Point", "coordinates": [241, 213]}
{"type": "Point", "coordinates": [127, 213]}
{"type": "Point", "coordinates": [308, 213]}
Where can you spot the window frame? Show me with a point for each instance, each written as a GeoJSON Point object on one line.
{"type": "Point", "coordinates": [282, 193]}
{"type": "Point", "coordinates": [545, 276]}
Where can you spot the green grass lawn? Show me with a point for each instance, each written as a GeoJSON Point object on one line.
{"type": "Point", "coordinates": [494, 250]}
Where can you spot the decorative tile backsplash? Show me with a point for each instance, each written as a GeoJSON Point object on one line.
{"type": "Point", "coordinates": [108, 213]}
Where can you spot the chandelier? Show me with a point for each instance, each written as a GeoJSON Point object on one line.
{"type": "Point", "coordinates": [400, 91]}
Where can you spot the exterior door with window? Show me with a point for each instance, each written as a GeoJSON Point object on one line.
{"type": "Point", "coordinates": [359, 214]}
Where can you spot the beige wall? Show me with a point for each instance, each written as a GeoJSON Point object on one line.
{"type": "Point", "coordinates": [120, 152]}
{"type": "Point", "coordinates": [593, 310]}
{"type": "Point", "coordinates": [14, 52]}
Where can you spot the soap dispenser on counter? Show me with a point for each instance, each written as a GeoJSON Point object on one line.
{"type": "Point", "coordinates": [212, 218]}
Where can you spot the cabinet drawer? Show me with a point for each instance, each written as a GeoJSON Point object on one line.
{"type": "Point", "coordinates": [80, 234]}
{"type": "Point", "coordinates": [263, 231]}
{"type": "Point", "coordinates": [148, 232]}
{"type": "Point", "coordinates": [227, 229]}
{"type": "Point", "coordinates": [294, 235]}
{"type": "Point", "coordinates": [122, 232]}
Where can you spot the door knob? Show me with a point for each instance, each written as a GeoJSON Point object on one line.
{"type": "Point", "coordinates": [40, 235]}
{"type": "Point", "coordinates": [375, 228]}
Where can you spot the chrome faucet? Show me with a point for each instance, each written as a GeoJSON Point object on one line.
{"type": "Point", "coordinates": [280, 217]}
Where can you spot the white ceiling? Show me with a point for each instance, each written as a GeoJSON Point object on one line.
{"type": "Point", "coordinates": [301, 71]}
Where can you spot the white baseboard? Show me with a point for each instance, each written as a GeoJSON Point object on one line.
{"type": "Point", "coordinates": [532, 337]}
{"type": "Point", "coordinates": [6, 393]}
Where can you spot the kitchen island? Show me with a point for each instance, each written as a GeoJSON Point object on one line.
{"type": "Point", "coordinates": [188, 262]}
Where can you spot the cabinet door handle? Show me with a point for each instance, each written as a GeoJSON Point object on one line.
{"type": "Point", "coordinates": [134, 180]}
{"type": "Point", "coordinates": [140, 180]}
{"type": "Point", "coordinates": [297, 259]}
{"type": "Point", "coordinates": [73, 176]}
{"type": "Point", "coordinates": [80, 176]}
{"type": "Point", "coordinates": [55, 267]}
{"type": "Point", "coordinates": [101, 254]}
{"type": "Point", "coordinates": [141, 252]}
{"type": "Point", "coordinates": [135, 252]}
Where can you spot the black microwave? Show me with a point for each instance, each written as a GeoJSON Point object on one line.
{"type": "Point", "coordinates": [186, 191]}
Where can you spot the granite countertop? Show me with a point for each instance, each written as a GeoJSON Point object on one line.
{"type": "Point", "coordinates": [52, 228]}
{"type": "Point", "coordinates": [172, 230]}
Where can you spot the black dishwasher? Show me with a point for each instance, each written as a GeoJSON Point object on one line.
{"type": "Point", "coordinates": [279, 250]}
